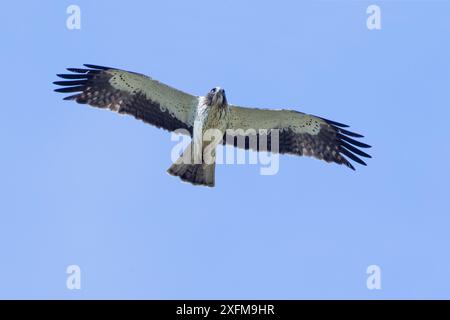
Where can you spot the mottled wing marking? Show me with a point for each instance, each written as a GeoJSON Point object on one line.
{"type": "Point", "coordinates": [130, 93]}
{"type": "Point", "coordinates": [299, 134]}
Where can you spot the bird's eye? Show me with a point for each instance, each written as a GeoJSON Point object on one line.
{"type": "Point", "coordinates": [213, 90]}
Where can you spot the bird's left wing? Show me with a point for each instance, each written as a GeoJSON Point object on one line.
{"type": "Point", "coordinates": [130, 93]}
{"type": "Point", "coordinates": [298, 133]}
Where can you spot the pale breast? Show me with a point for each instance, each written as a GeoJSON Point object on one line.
{"type": "Point", "coordinates": [209, 117]}
{"type": "Point", "coordinates": [217, 118]}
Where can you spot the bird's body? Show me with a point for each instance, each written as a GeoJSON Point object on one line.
{"type": "Point", "coordinates": [198, 165]}
{"type": "Point", "coordinates": [206, 118]}
{"type": "Point", "coordinates": [210, 116]}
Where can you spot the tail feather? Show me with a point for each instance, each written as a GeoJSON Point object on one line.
{"type": "Point", "coordinates": [197, 174]}
{"type": "Point", "coordinates": [191, 171]}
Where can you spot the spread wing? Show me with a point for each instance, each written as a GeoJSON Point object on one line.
{"type": "Point", "coordinates": [298, 133]}
{"type": "Point", "coordinates": [130, 93]}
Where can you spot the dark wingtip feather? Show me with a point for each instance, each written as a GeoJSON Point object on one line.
{"type": "Point", "coordinates": [74, 76]}
{"type": "Point", "coordinates": [355, 150]}
{"type": "Point", "coordinates": [78, 79]}
{"type": "Point", "coordinates": [352, 141]}
{"type": "Point", "coordinates": [71, 97]}
{"type": "Point", "coordinates": [347, 145]}
{"type": "Point", "coordinates": [349, 165]}
{"type": "Point", "coordinates": [70, 89]}
{"type": "Point", "coordinates": [349, 133]}
{"type": "Point", "coordinates": [352, 156]}
{"type": "Point", "coordinates": [70, 83]}
{"type": "Point", "coordinates": [93, 66]}
{"type": "Point", "coordinates": [78, 70]}
{"type": "Point", "coordinates": [334, 123]}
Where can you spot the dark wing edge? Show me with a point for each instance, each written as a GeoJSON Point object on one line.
{"type": "Point", "coordinates": [91, 86]}
{"type": "Point", "coordinates": [347, 146]}
{"type": "Point", "coordinates": [332, 144]}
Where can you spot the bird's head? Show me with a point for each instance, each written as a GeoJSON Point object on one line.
{"type": "Point", "coordinates": [216, 97]}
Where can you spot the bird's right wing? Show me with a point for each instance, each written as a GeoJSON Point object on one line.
{"type": "Point", "coordinates": [130, 93]}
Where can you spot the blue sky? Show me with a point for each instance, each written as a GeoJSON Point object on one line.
{"type": "Point", "coordinates": [88, 187]}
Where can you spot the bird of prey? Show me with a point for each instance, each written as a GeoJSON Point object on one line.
{"type": "Point", "coordinates": [165, 107]}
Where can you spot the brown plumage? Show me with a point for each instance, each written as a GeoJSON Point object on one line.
{"type": "Point", "coordinates": [165, 107]}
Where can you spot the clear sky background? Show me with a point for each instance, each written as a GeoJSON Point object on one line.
{"type": "Point", "coordinates": [88, 187]}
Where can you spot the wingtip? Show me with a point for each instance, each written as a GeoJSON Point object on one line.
{"type": "Point", "coordinates": [78, 70]}
{"type": "Point", "coordinates": [335, 123]}
{"type": "Point", "coordinates": [70, 89]}
{"type": "Point", "coordinates": [74, 76]}
{"type": "Point", "coordinates": [73, 97]}
{"type": "Point", "coordinates": [349, 133]}
{"type": "Point", "coordinates": [94, 66]}
{"type": "Point", "coordinates": [352, 141]}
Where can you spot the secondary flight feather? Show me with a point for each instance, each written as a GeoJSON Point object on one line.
{"type": "Point", "coordinates": [165, 107]}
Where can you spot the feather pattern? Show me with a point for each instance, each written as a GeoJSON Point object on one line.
{"type": "Point", "coordinates": [130, 93]}
{"type": "Point", "coordinates": [298, 134]}
{"type": "Point", "coordinates": [250, 128]}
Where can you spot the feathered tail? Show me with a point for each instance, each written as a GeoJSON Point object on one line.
{"type": "Point", "coordinates": [197, 174]}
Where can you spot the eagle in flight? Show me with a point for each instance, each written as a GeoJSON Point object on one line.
{"type": "Point", "coordinates": [165, 107]}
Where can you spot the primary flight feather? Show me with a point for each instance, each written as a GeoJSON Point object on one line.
{"type": "Point", "coordinates": [165, 107]}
